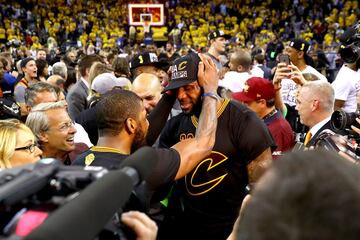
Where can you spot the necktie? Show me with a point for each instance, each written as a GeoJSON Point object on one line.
{"type": "Point", "coordinates": [307, 138]}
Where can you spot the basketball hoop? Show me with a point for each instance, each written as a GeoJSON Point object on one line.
{"type": "Point", "coordinates": [146, 26]}
{"type": "Point", "coordinates": [141, 13]}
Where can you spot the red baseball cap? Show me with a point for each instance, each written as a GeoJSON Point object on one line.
{"type": "Point", "coordinates": [255, 88]}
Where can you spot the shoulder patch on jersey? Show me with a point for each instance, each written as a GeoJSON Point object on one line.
{"type": "Point", "coordinates": [89, 159]}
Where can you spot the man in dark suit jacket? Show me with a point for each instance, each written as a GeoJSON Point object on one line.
{"type": "Point", "coordinates": [77, 96]}
{"type": "Point", "coordinates": [259, 61]}
{"type": "Point", "coordinates": [315, 104]}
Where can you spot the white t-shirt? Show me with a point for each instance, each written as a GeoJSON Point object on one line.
{"type": "Point", "coordinates": [234, 81]}
{"type": "Point", "coordinates": [257, 71]}
{"type": "Point", "coordinates": [346, 85]}
{"type": "Point", "coordinates": [81, 136]}
{"type": "Point", "coordinates": [289, 87]}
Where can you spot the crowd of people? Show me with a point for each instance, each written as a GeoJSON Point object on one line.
{"type": "Point", "coordinates": [227, 103]}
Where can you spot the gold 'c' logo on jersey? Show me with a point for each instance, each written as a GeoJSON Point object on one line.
{"type": "Point", "coordinates": [197, 182]}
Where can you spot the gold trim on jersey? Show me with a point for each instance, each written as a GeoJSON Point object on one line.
{"type": "Point", "coordinates": [106, 149]}
{"type": "Point", "coordinates": [223, 105]}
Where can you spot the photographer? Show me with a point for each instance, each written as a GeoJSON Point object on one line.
{"type": "Point", "coordinates": [346, 84]}
{"type": "Point", "coordinates": [355, 129]}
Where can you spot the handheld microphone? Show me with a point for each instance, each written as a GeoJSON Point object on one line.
{"type": "Point", "coordinates": [88, 213]}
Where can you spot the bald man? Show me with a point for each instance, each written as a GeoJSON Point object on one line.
{"type": "Point", "coordinates": [147, 86]}
{"type": "Point", "coordinates": [56, 80]}
{"type": "Point", "coordinates": [240, 64]}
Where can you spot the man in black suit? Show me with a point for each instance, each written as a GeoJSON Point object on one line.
{"type": "Point", "coordinates": [77, 96]}
{"type": "Point", "coordinates": [315, 104]}
{"type": "Point", "coordinates": [259, 60]}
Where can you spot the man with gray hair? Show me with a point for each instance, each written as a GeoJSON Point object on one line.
{"type": "Point", "coordinates": [43, 92]}
{"type": "Point", "coordinates": [60, 69]}
{"type": "Point", "coordinates": [56, 80]}
{"type": "Point", "coordinates": [38, 93]}
{"type": "Point", "coordinates": [54, 131]}
{"type": "Point", "coordinates": [315, 104]}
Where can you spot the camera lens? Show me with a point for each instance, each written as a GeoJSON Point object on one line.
{"type": "Point", "coordinates": [341, 120]}
{"type": "Point", "coordinates": [350, 53]}
{"type": "Point", "coordinates": [338, 120]}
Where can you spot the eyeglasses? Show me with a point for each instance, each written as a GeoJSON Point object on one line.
{"type": "Point", "coordinates": [66, 126]}
{"type": "Point", "coordinates": [31, 148]}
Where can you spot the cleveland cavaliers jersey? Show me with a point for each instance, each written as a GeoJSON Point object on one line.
{"type": "Point", "coordinates": [211, 194]}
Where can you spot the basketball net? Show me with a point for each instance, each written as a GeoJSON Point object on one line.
{"type": "Point", "coordinates": [146, 25]}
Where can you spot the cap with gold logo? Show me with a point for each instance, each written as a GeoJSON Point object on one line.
{"type": "Point", "coordinates": [183, 71]}
{"type": "Point", "coordinates": [217, 34]}
{"type": "Point", "coordinates": [300, 44]}
{"type": "Point", "coordinates": [256, 88]}
{"type": "Point", "coordinates": [146, 59]}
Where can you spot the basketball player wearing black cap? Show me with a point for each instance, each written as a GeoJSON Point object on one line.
{"type": "Point", "coordinates": [211, 194]}
{"type": "Point", "coordinates": [146, 62]}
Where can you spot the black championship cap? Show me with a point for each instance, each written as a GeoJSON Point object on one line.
{"type": "Point", "coordinates": [218, 33]}
{"type": "Point", "coordinates": [184, 71]}
{"type": "Point", "coordinates": [300, 45]}
{"type": "Point", "coordinates": [145, 59]}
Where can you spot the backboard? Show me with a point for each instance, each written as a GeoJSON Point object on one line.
{"type": "Point", "coordinates": [141, 13]}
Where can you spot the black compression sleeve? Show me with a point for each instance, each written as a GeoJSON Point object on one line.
{"type": "Point", "coordinates": [158, 117]}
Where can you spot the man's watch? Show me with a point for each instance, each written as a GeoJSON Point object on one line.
{"type": "Point", "coordinates": [212, 95]}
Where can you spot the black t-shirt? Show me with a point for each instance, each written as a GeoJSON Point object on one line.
{"type": "Point", "coordinates": [212, 193]}
{"type": "Point", "coordinates": [164, 172]}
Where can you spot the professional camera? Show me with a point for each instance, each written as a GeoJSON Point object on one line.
{"type": "Point", "coordinates": [48, 200]}
{"type": "Point", "coordinates": [350, 49]}
{"type": "Point", "coordinates": [331, 141]}
{"type": "Point", "coordinates": [341, 120]}
{"type": "Point", "coordinates": [43, 187]}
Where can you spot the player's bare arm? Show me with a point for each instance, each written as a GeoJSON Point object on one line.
{"type": "Point", "coordinates": [259, 165]}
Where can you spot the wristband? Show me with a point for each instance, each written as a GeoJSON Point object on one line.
{"type": "Point", "coordinates": [212, 95]}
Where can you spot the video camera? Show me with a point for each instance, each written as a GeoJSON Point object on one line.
{"type": "Point", "coordinates": [341, 120]}
{"type": "Point", "coordinates": [350, 49]}
{"type": "Point", "coordinates": [44, 186]}
{"type": "Point", "coordinates": [48, 200]}
{"type": "Point", "coordinates": [341, 138]}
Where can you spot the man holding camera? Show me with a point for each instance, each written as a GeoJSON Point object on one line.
{"type": "Point", "coordinates": [297, 52]}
